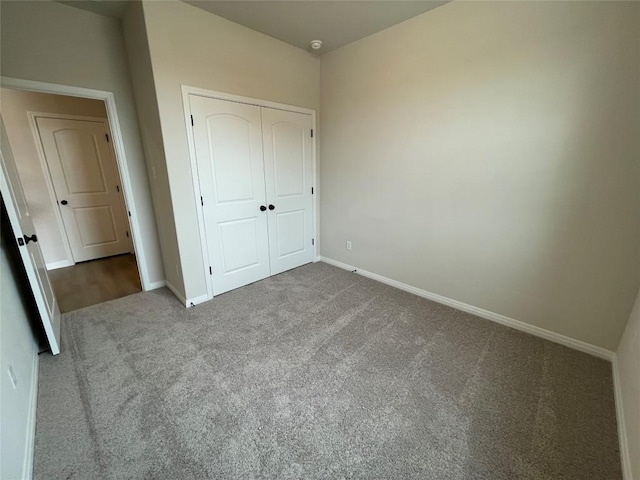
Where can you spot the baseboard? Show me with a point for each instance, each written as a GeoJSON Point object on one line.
{"type": "Point", "coordinates": [486, 314]}
{"type": "Point", "coordinates": [29, 447]}
{"type": "Point", "coordinates": [156, 285]}
{"type": "Point", "coordinates": [60, 264]}
{"type": "Point", "coordinates": [625, 458]}
{"type": "Point", "coordinates": [191, 302]}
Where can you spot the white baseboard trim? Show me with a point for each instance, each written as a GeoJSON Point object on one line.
{"type": "Point", "coordinates": [29, 448]}
{"type": "Point", "coordinates": [156, 285]}
{"type": "Point", "coordinates": [191, 302]}
{"type": "Point", "coordinates": [622, 427]}
{"type": "Point", "coordinates": [486, 314]}
{"type": "Point", "coordinates": [60, 264]}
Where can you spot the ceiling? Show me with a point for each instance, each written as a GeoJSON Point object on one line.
{"type": "Point", "coordinates": [297, 22]}
{"type": "Point", "coordinates": [336, 23]}
{"type": "Point", "coordinates": [107, 8]}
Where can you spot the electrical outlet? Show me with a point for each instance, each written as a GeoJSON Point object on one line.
{"type": "Point", "coordinates": [348, 245]}
{"type": "Point", "coordinates": [12, 377]}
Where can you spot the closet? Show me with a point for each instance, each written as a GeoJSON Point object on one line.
{"type": "Point", "coordinates": [255, 177]}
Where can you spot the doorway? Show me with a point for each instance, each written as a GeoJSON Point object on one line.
{"type": "Point", "coordinates": [68, 168]}
{"type": "Point", "coordinates": [95, 281]}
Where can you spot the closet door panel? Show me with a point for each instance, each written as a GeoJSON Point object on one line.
{"type": "Point", "coordinates": [288, 178]}
{"type": "Point", "coordinates": [228, 145]}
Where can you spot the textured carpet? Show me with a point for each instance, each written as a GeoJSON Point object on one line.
{"type": "Point", "coordinates": [317, 373]}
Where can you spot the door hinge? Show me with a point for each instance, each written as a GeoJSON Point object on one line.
{"type": "Point", "coordinates": [313, 241]}
{"type": "Point", "coordinates": [118, 187]}
{"type": "Point", "coordinates": [127, 233]}
{"type": "Point", "coordinates": [20, 241]}
{"type": "Point", "coordinates": [312, 133]}
{"type": "Point", "coordinates": [201, 201]}
{"type": "Point", "coordinates": [210, 271]}
{"type": "Point", "coordinates": [129, 212]}
{"type": "Point", "coordinates": [191, 120]}
{"type": "Point", "coordinates": [311, 190]}
{"type": "Point", "coordinates": [107, 136]}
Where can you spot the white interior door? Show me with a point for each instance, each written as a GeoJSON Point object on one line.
{"type": "Point", "coordinates": [288, 164]}
{"type": "Point", "coordinates": [228, 147]}
{"type": "Point", "coordinates": [85, 179]}
{"type": "Point", "coordinates": [30, 253]}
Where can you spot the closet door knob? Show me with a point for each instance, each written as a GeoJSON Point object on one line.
{"type": "Point", "coordinates": [262, 208]}
{"type": "Point", "coordinates": [271, 207]}
{"type": "Point", "coordinates": [63, 202]}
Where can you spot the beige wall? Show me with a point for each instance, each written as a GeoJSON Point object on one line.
{"type": "Point", "coordinates": [14, 105]}
{"type": "Point", "coordinates": [18, 349]}
{"type": "Point", "coordinates": [191, 47]}
{"type": "Point", "coordinates": [628, 359]}
{"type": "Point", "coordinates": [51, 42]}
{"type": "Point", "coordinates": [489, 152]}
{"type": "Point", "coordinates": [137, 46]}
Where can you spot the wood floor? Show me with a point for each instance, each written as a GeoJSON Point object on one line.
{"type": "Point", "coordinates": [97, 281]}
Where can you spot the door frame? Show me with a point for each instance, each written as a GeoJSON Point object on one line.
{"type": "Point", "coordinates": [118, 147]}
{"type": "Point", "coordinates": [201, 92]}
{"type": "Point", "coordinates": [44, 164]}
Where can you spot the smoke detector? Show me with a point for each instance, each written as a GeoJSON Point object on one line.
{"type": "Point", "coordinates": [316, 44]}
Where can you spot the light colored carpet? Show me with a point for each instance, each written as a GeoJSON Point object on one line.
{"type": "Point", "coordinates": [317, 373]}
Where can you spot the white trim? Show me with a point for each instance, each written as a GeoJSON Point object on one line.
{"type": "Point", "coordinates": [196, 189]}
{"type": "Point", "coordinates": [202, 92]}
{"type": "Point", "coordinates": [29, 448]}
{"type": "Point", "coordinates": [316, 193]}
{"type": "Point", "coordinates": [186, 91]}
{"type": "Point", "coordinates": [118, 146]}
{"type": "Point", "coordinates": [59, 264]}
{"type": "Point", "coordinates": [192, 302]}
{"type": "Point", "coordinates": [486, 314]}
{"type": "Point", "coordinates": [625, 458]}
{"type": "Point", "coordinates": [158, 284]}
{"type": "Point", "coordinates": [69, 116]}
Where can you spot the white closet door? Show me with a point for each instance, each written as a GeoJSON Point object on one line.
{"type": "Point", "coordinates": [289, 178]}
{"type": "Point", "coordinates": [228, 145]}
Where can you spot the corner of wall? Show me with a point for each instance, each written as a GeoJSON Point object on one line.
{"type": "Point", "coordinates": [626, 379]}
{"type": "Point", "coordinates": [142, 76]}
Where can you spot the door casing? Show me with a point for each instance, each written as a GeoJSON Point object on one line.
{"type": "Point", "coordinates": [188, 90]}
{"type": "Point", "coordinates": [121, 158]}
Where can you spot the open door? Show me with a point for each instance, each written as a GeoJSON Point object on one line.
{"type": "Point", "coordinates": [30, 252]}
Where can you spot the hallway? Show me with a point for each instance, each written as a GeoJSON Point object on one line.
{"type": "Point", "coordinates": [96, 281]}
